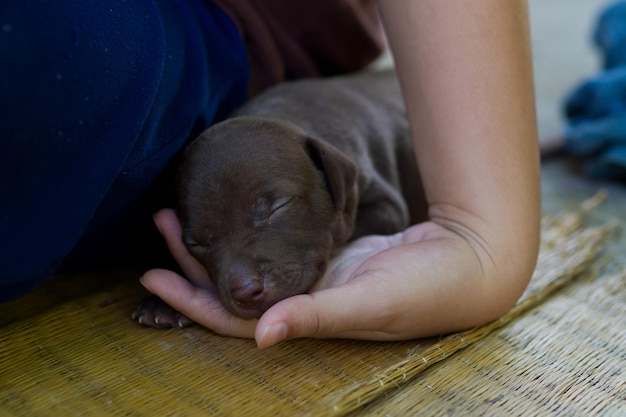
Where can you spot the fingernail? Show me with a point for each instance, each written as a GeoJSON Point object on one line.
{"type": "Point", "coordinates": [273, 334]}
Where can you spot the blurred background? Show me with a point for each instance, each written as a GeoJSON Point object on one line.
{"type": "Point", "coordinates": [563, 55]}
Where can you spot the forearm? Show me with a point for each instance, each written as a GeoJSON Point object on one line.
{"type": "Point", "coordinates": [465, 68]}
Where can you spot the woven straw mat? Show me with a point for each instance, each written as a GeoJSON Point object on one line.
{"type": "Point", "coordinates": [70, 348]}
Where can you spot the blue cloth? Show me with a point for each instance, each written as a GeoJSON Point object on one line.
{"type": "Point", "coordinates": [96, 98]}
{"type": "Point", "coordinates": [596, 109]}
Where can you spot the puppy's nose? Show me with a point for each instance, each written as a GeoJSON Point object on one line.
{"type": "Point", "coordinates": [248, 292]}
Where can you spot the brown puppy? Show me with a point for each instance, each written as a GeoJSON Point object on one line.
{"type": "Point", "coordinates": [267, 195]}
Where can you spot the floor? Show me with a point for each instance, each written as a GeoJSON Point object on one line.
{"type": "Point", "coordinates": [563, 57]}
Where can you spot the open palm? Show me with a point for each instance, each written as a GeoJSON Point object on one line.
{"type": "Point", "coordinates": [377, 288]}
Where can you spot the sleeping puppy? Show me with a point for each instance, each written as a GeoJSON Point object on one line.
{"type": "Point", "coordinates": [267, 196]}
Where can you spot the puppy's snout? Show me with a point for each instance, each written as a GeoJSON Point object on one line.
{"type": "Point", "coordinates": [248, 292]}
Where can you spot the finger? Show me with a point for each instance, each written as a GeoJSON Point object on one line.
{"type": "Point", "coordinates": [199, 304]}
{"type": "Point", "coordinates": [349, 311]}
{"type": "Point", "coordinates": [169, 226]}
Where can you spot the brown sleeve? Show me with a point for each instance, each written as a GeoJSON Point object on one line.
{"type": "Point", "coordinates": [288, 39]}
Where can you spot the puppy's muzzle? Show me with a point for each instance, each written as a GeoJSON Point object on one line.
{"type": "Point", "coordinates": [248, 292]}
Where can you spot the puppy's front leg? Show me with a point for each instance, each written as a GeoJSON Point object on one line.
{"type": "Point", "coordinates": [382, 210]}
{"type": "Point", "coordinates": [154, 312]}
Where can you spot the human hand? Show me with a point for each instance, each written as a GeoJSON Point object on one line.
{"type": "Point", "coordinates": [194, 296]}
{"type": "Point", "coordinates": [378, 288]}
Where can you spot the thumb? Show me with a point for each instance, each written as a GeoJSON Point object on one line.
{"type": "Point", "coordinates": [346, 311]}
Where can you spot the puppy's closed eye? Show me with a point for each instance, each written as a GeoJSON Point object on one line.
{"type": "Point", "coordinates": [266, 212]}
{"type": "Point", "coordinates": [280, 206]}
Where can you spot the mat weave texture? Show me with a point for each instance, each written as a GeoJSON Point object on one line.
{"type": "Point", "coordinates": [70, 348]}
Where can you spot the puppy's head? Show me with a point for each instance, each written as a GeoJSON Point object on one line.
{"type": "Point", "coordinates": [262, 206]}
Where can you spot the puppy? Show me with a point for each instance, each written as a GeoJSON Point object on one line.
{"type": "Point", "coordinates": [267, 196]}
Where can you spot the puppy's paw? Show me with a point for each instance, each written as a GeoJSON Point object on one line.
{"type": "Point", "coordinates": [153, 312]}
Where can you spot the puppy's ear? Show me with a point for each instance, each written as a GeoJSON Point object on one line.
{"type": "Point", "coordinates": [340, 174]}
